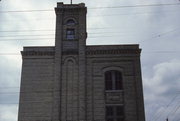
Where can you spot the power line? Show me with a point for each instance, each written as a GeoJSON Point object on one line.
{"type": "Point", "coordinates": [102, 36]}
{"type": "Point", "coordinates": [26, 102]}
{"type": "Point", "coordinates": [10, 54]}
{"type": "Point", "coordinates": [161, 34]}
{"type": "Point", "coordinates": [32, 30]}
{"type": "Point", "coordinates": [95, 33]}
{"type": "Point", "coordinates": [29, 39]}
{"type": "Point", "coordinates": [8, 87]}
{"type": "Point", "coordinates": [28, 30]}
{"type": "Point", "coordinates": [27, 35]}
{"type": "Point", "coordinates": [17, 11]}
{"type": "Point", "coordinates": [27, 92]}
{"type": "Point", "coordinates": [175, 112]}
{"type": "Point", "coordinates": [32, 39]}
{"type": "Point", "coordinates": [41, 91]}
{"type": "Point", "coordinates": [103, 28]}
{"type": "Point", "coordinates": [157, 115]}
{"type": "Point", "coordinates": [134, 6]}
{"type": "Point", "coordinates": [106, 7]}
{"type": "Point", "coordinates": [145, 52]}
{"type": "Point", "coordinates": [98, 15]}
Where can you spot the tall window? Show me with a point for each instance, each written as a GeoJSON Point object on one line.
{"type": "Point", "coordinates": [113, 80]}
{"type": "Point", "coordinates": [70, 34]}
{"type": "Point", "coordinates": [114, 113]}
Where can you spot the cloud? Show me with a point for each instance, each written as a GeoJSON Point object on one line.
{"type": "Point", "coordinates": [161, 88]}
{"type": "Point", "coordinates": [8, 112]}
{"type": "Point", "coordinates": [155, 28]}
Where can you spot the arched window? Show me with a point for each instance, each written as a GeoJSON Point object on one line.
{"type": "Point", "coordinates": [70, 22]}
{"type": "Point", "coordinates": [113, 80]}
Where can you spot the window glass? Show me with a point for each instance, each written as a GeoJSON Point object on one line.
{"type": "Point", "coordinates": [70, 34]}
{"type": "Point", "coordinates": [120, 119]}
{"type": "Point", "coordinates": [114, 113]}
{"type": "Point", "coordinates": [113, 80]}
{"type": "Point", "coordinates": [109, 85]}
{"type": "Point", "coordinates": [119, 111]}
{"type": "Point", "coordinates": [109, 111]}
{"type": "Point", "coordinates": [109, 119]}
{"type": "Point", "coordinates": [70, 22]}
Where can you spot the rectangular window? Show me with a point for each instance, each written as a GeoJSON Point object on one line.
{"type": "Point", "coordinates": [70, 34]}
{"type": "Point", "coordinates": [114, 113]}
{"type": "Point", "coordinates": [109, 111]}
{"type": "Point", "coordinates": [119, 110]}
{"type": "Point", "coordinates": [113, 80]}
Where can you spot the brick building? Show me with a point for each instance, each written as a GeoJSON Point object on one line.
{"type": "Point", "coordinates": [76, 82]}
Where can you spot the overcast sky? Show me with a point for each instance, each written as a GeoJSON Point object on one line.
{"type": "Point", "coordinates": [155, 28]}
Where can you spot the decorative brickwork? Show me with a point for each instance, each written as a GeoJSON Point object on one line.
{"type": "Point", "coordinates": [68, 82]}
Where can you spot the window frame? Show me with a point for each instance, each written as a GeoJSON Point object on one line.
{"type": "Point", "coordinates": [112, 77]}
{"type": "Point", "coordinates": [114, 116]}
{"type": "Point", "coordinates": [70, 36]}
{"type": "Point", "coordinates": [70, 22]}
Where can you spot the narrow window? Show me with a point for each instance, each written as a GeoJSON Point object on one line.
{"type": "Point", "coordinates": [114, 113]}
{"type": "Point", "coordinates": [113, 80]}
{"type": "Point", "coordinates": [70, 34]}
{"type": "Point", "coordinates": [118, 80]}
{"type": "Point", "coordinates": [108, 78]}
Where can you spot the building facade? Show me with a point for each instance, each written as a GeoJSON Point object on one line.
{"type": "Point", "coordinates": [75, 82]}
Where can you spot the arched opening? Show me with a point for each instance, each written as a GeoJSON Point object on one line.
{"type": "Point", "coordinates": [70, 22]}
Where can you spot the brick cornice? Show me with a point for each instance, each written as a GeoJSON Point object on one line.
{"type": "Point", "coordinates": [120, 51]}
{"type": "Point", "coordinates": [37, 53]}
{"type": "Point", "coordinates": [88, 52]}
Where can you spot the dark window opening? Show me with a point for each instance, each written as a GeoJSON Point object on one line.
{"type": "Point", "coordinates": [70, 34]}
{"type": "Point", "coordinates": [114, 113]}
{"type": "Point", "coordinates": [113, 80]}
{"type": "Point", "coordinates": [70, 22]}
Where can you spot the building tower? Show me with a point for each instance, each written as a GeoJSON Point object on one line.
{"type": "Point", "coordinates": [70, 50]}
{"type": "Point", "coordinates": [75, 82]}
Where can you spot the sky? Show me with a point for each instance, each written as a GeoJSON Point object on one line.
{"type": "Point", "coordinates": [155, 28]}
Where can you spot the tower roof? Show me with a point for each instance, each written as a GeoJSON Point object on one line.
{"type": "Point", "coordinates": [62, 5]}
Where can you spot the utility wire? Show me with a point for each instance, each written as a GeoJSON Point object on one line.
{"type": "Point", "coordinates": [157, 115]}
{"type": "Point", "coordinates": [28, 30]}
{"type": "Point", "coordinates": [8, 87]}
{"type": "Point", "coordinates": [41, 39]}
{"type": "Point", "coordinates": [165, 52]}
{"type": "Point", "coordinates": [99, 15]}
{"type": "Point", "coordinates": [104, 28]}
{"type": "Point", "coordinates": [161, 34]}
{"type": "Point", "coordinates": [26, 102]}
{"type": "Point", "coordinates": [26, 35]}
{"type": "Point", "coordinates": [175, 112]}
{"type": "Point", "coordinates": [95, 33]}
{"type": "Point", "coordinates": [41, 91]}
{"type": "Point", "coordinates": [134, 6]}
{"type": "Point", "coordinates": [32, 30]}
{"type": "Point", "coordinates": [110, 7]}
{"type": "Point", "coordinates": [15, 39]}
